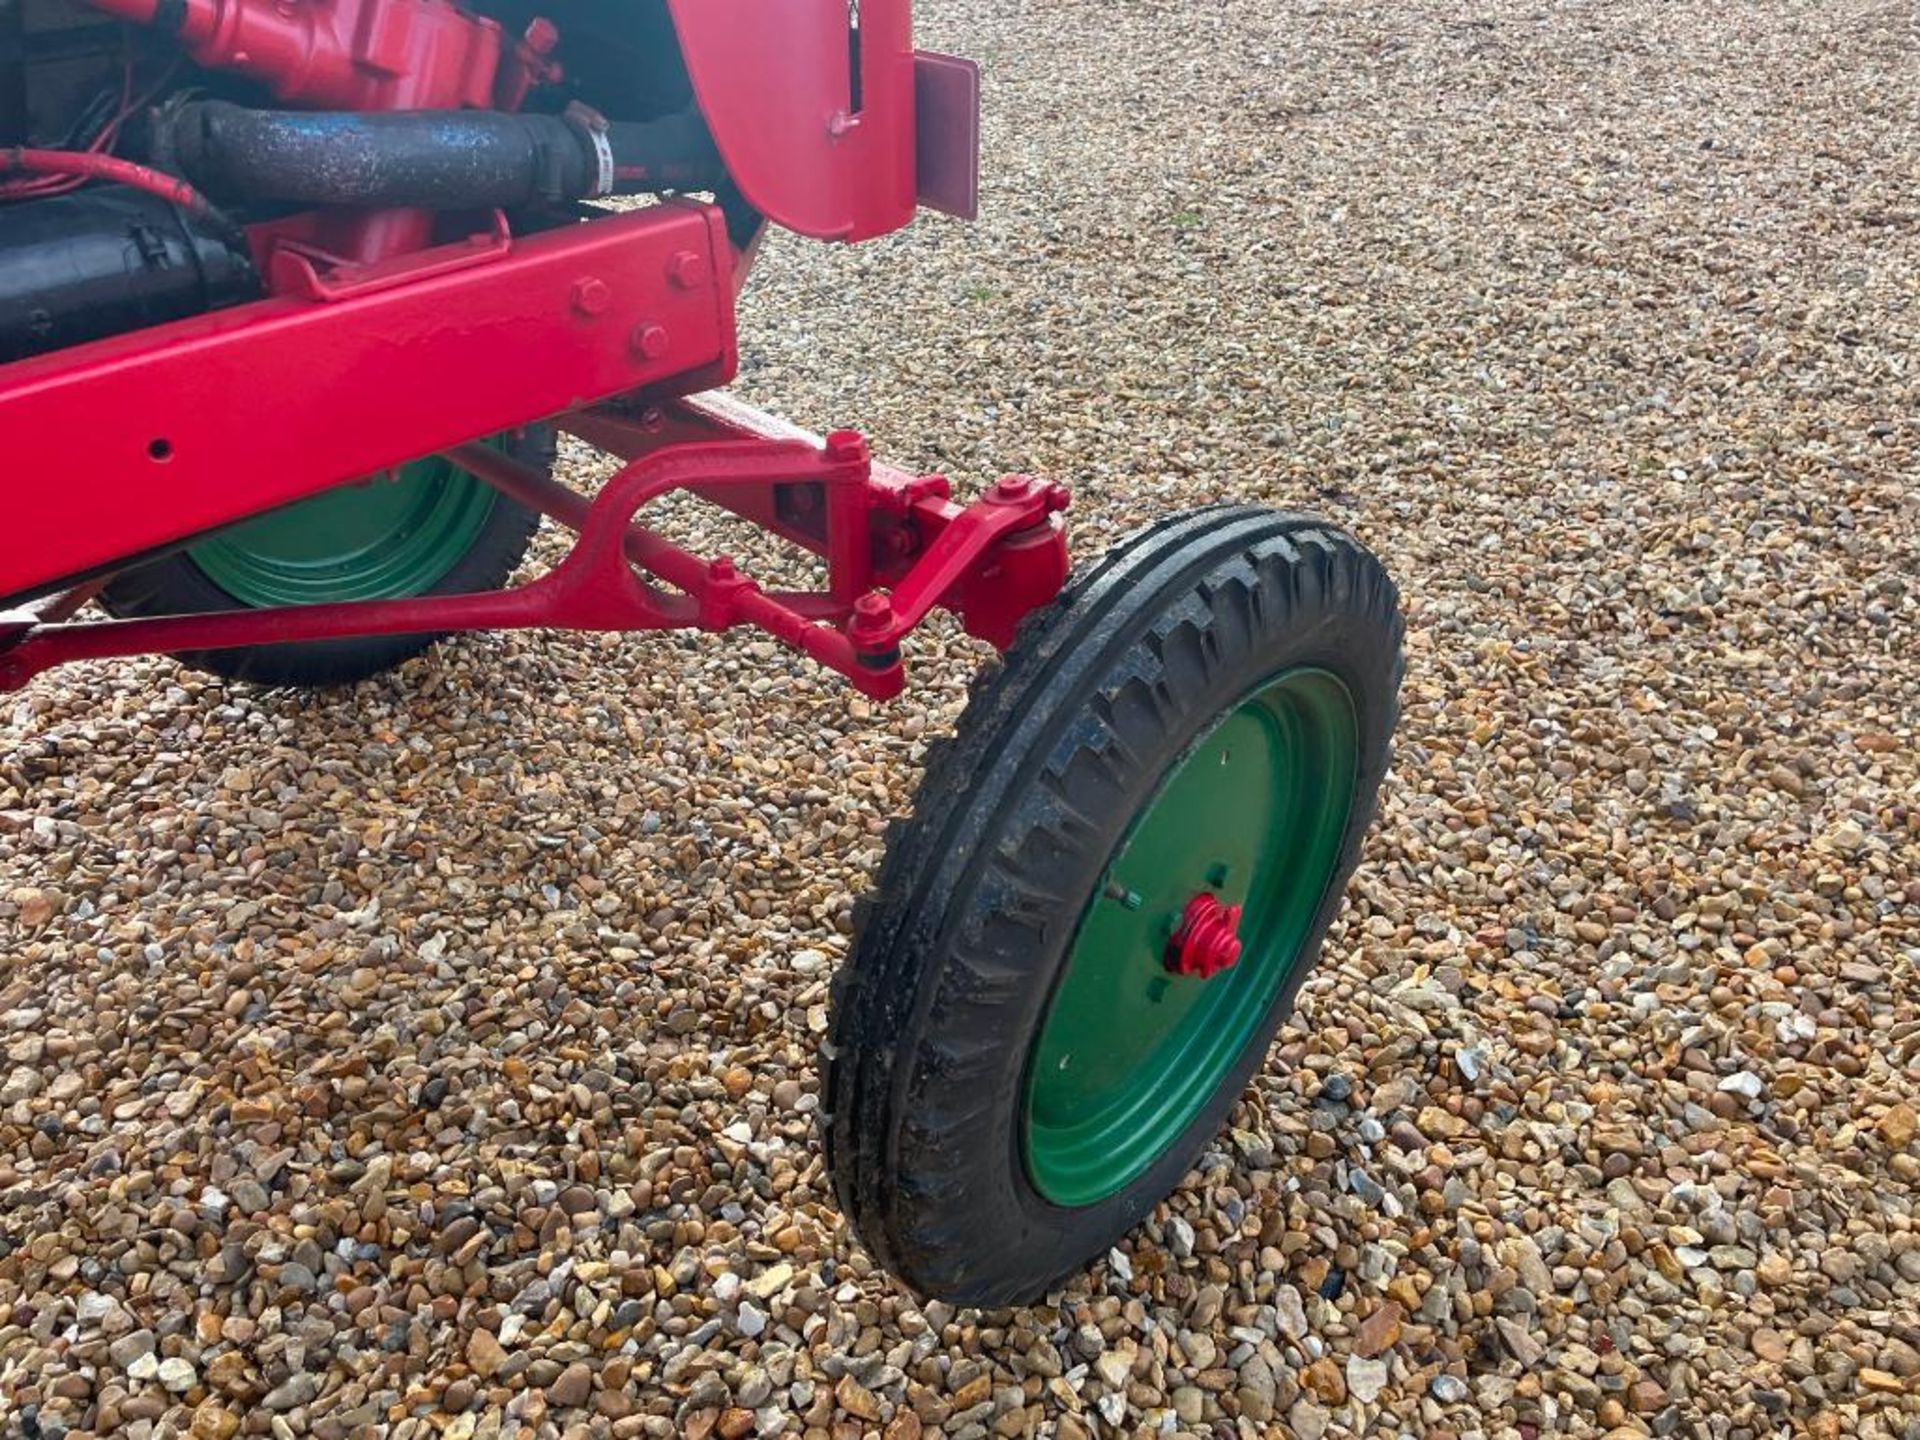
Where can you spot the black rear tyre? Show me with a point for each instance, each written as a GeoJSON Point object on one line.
{"type": "Point", "coordinates": [461, 538]}
{"type": "Point", "coordinates": [974, 1059]}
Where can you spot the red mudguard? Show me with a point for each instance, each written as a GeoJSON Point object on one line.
{"type": "Point", "coordinates": [814, 118]}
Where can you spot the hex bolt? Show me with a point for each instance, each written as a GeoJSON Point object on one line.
{"type": "Point", "coordinates": [591, 295]}
{"type": "Point", "coordinates": [650, 341]}
{"type": "Point", "coordinates": [846, 446]}
{"type": "Point", "coordinates": [687, 269]}
{"type": "Point", "coordinates": [872, 616]}
{"type": "Point", "coordinates": [1010, 488]}
{"type": "Point", "coordinates": [541, 36]}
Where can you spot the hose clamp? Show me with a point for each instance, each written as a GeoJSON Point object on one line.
{"type": "Point", "coordinates": [593, 126]}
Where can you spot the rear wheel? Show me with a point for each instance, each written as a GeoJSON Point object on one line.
{"type": "Point", "coordinates": [1114, 883]}
{"type": "Point", "coordinates": [429, 529]}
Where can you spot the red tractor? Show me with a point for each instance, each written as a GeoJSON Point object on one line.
{"type": "Point", "coordinates": [295, 296]}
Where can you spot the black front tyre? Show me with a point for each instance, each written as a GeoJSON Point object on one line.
{"type": "Point", "coordinates": [431, 529]}
{"type": "Point", "coordinates": [1036, 1034]}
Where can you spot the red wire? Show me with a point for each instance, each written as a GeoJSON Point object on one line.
{"type": "Point", "coordinates": [87, 165]}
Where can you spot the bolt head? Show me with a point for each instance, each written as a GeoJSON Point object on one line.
{"type": "Point", "coordinates": [687, 269]}
{"type": "Point", "coordinates": [846, 445]}
{"type": "Point", "coordinates": [650, 341]}
{"type": "Point", "coordinates": [591, 295]}
{"type": "Point", "coordinates": [541, 35]}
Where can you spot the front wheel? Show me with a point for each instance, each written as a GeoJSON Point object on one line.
{"type": "Point", "coordinates": [1116, 878]}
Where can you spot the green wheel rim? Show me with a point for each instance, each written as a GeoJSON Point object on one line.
{"type": "Point", "coordinates": [380, 539]}
{"type": "Point", "coordinates": [1129, 1053]}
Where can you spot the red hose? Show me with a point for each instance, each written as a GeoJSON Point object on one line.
{"type": "Point", "coordinates": [92, 166]}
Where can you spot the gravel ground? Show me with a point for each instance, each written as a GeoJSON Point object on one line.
{"type": "Point", "coordinates": [439, 1058]}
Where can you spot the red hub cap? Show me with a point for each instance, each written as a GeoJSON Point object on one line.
{"type": "Point", "coordinates": [1207, 939]}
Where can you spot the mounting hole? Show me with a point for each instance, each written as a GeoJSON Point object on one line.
{"type": "Point", "coordinates": [160, 449]}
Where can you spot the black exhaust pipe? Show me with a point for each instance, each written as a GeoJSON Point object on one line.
{"type": "Point", "coordinates": [430, 159]}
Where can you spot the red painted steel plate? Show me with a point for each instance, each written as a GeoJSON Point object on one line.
{"type": "Point", "coordinates": [947, 133]}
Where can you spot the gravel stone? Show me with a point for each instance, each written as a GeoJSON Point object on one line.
{"type": "Point", "coordinates": [292, 1392]}
{"type": "Point", "coordinates": [1365, 1379]}
{"type": "Point", "coordinates": [572, 1386]}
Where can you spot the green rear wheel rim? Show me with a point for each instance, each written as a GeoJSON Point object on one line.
{"type": "Point", "coordinates": [1128, 1053]}
{"type": "Point", "coordinates": [381, 539]}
